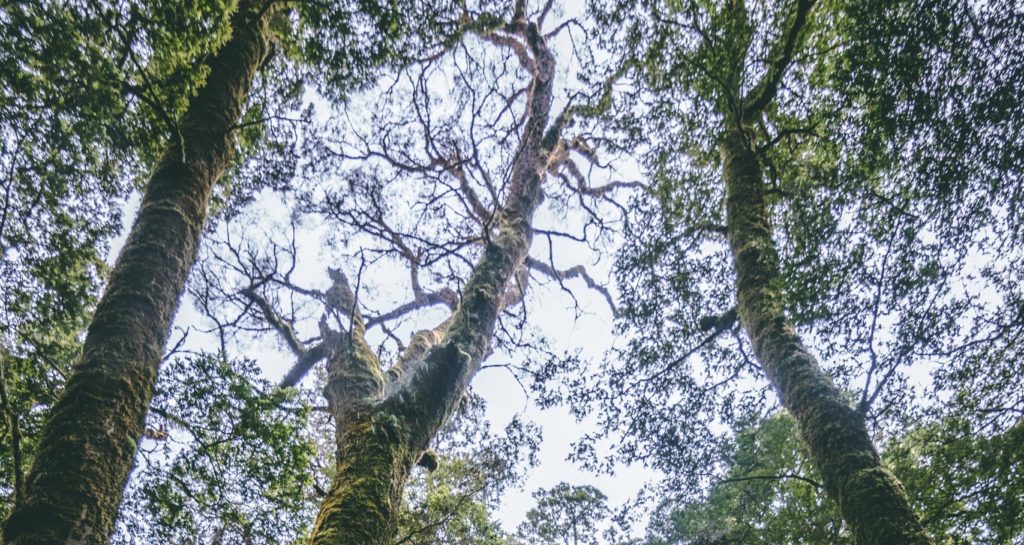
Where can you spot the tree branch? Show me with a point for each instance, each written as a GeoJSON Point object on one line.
{"type": "Point", "coordinates": [305, 362]}
{"type": "Point", "coordinates": [765, 91]}
{"type": "Point", "coordinates": [281, 325]}
{"type": "Point", "coordinates": [579, 271]}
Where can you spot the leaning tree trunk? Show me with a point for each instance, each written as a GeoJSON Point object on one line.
{"type": "Point", "coordinates": [386, 421]}
{"type": "Point", "coordinates": [76, 483]}
{"type": "Point", "coordinates": [871, 499]}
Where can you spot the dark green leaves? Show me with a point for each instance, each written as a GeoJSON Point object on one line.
{"type": "Point", "coordinates": [224, 458]}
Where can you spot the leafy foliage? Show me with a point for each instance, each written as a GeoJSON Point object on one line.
{"type": "Point", "coordinates": [447, 507]}
{"type": "Point", "coordinates": [565, 514]}
{"type": "Point", "coordinates": [895, 242]}
{"type": "Point", "coordinates": [768, 494]}
{"type": "Point", "coordinates": [224, 460]}
{"type": "Point", "coordinates": [962, 484]}
{"type": "Point", "coordinates": [966, 482]}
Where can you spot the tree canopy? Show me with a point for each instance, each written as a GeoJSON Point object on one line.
{"type": "Point", "coordinates": [766, 253]}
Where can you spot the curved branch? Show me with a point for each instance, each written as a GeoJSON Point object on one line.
{"type": "Point", "coordinates": [276, 321]}
{"type": "Point", "coordinates": [579, 271]}
{"type": "Point", "coordinates": [445, 297]}
{"type": "Point", "coordinates": [304, 364]}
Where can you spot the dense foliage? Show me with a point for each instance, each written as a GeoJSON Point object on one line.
{"type": "Point", "coordinates": [380, 140]}
{"type": "Point", "coordinates": [892, 197]}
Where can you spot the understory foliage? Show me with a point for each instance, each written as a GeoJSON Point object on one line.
{"type": "Point", "coordinates": [390, 155]}
{"type": "Point", "coordinates": [962, 483]}
{"type": "Point", "coordinates": [565, 515]}
{"type": "Point", "coordinates": [224, 459]}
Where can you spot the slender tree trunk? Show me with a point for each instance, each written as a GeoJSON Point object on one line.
{"type": "Point", "coordinates": [76, 483]}
{"type": "Point", "coordinates": [386, 421]}
{"type": "Point", "coordinates": [14, 427]}
{"type": "Point", "coordinates": [871, 499]}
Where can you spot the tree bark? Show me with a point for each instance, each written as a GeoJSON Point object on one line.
{"type": "Point", "coordinates": [872, 501]}
{"type": "Point", "coordinates": [385, 422]}
{"type": "Point", "coordinates": [85, 454]}
{"type": "Point", "coordinates": [14, 428]}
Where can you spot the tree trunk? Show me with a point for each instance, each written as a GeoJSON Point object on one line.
{"type": "Point", "coordinates": [363, 503]}
{"type": "Point", "coordinates": [76, 483]}
{"type": "Point", "coordinates": [14, 428]}
{"type": "Point", "coordinates": [871, 499]}
{"type": "Point", "coordinates": [386, 421]}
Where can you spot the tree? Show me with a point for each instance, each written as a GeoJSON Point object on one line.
{"type": "Point", "coordinates": [76, 99]}
{"type": "Point", "coordinates": [765, 149]}
{"type": "Point", "coordinates": [565, 514]}
{"type": "Point", "coordinates": [385, 420]}
{"type": "Point", "coordinates": [474, 184]}
{"type": "Point", "coordinates": [86, 449]}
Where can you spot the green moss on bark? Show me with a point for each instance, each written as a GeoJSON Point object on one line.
{"type": "Point", "coordinates": [870, 498]}
{"type": "Point", "coordinates": [378, 442]}
{"type": "Point", "coordinates": [75, 486]}
{"type": "Point", "coordinates": [362, 506]}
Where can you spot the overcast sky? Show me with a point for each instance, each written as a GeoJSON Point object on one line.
{"type": "Point", "coordinates": [550, 310]}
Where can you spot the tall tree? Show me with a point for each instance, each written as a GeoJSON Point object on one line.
{"type": "Point", "coordinates": [475, 175]}
{"type": "Point", "coordinates": [83, 85]}
{"type": "Point", "coordinates": [86, 450]}
{"type": "Point", "coordinates": [385, 421]}
{"type": "Point", "coordinates": [748, 96]}
{"type": "Point", "coordinates": [870, 497]}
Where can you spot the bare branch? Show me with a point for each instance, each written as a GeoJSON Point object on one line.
{"type": "Point", "coordinates": [282, 326]}
{"type": "Point", "coordinates": [579, 271]}
{"type": "Point", "coordinates": [544, 12]}
{"type": "Point", "coordinates": [517, 47]}
{"type": "Point", "coordinates": [444, 296]}
{"type": "Point", "coordinates": [304, 364]}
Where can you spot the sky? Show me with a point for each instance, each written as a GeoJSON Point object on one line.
{"type": "Point", "coordinates": [550, 311]}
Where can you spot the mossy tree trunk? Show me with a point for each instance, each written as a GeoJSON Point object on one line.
{"type": "Point", "coordinates": [872, 501]}
{"type": "Point", "coordinates": [76, 482]}
{"type": "Point", "coordinates": [386, 420]}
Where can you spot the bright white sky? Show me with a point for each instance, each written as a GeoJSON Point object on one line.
{"type": "Point", "coordinates": [550, 311]}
